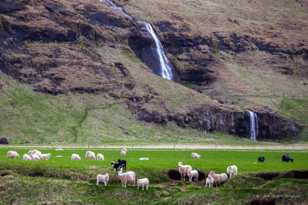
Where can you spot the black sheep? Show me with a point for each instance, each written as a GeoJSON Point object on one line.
{"type": "Point", "coordinates": [120, 165]}
{"type": "Point", "coordinates": [286, 158]}
{"type": "Point", "coordinates": [261, 159]}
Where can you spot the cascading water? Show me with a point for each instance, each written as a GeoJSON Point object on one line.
{"type": "Point", "coordinates": [116, 8]}
{"type": "Point", "coordinates": [165, 66]}
{"type": "Point", "coordinates": [253, 125]}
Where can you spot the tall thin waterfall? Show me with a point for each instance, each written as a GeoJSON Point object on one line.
{"type": "Point", "coordinates": [165, 66]}
{"type": "Point", "coordinates": [253, 125]}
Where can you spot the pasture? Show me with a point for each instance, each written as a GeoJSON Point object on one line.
{"type": "Point", "coordinates": [74, 181]}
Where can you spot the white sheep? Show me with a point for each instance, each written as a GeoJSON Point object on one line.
{"type": "Point", "coordinates": [143, 183]}
{"type": "Point", "coordinates": [129, 176]}
{"type": "Point", "coordinates": [218, 178]}
{"type": "Point", "coordinates": [12, 154]}
{"type": "Point", "coordinates": [75, 157]}
{"type": "Point", "coordinates": [184, 170]}
{"type": "Point", "coordinates": [209, 181]}
{"type": "Point", "coordinates": [45, 156]}
{"type": "Point", "coordinates": [232, 171]}
{"type": "Point", "coordinates": [35, 156]}
{"type": "Point", "coordinates": [26, 157]}
{"type": "Point", "coordinates": [34, 151]}
{"type": "Point", "coordinates": [123, 151]}
{"type": "Point", "coordinates": [195, 155]}
{"type": "Point", "coordinates": [100, 156]}
{"type": "Point", "coordinates": [90, 155]}
{"type": "Point", "coordinates": [193, 174]}
{"type": "Point", "coordinates": [103, 178]}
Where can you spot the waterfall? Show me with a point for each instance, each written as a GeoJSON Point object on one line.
{"type": "Point", "coordinates": [165, 66]}
{"type": "Point", "coordinates": [253, 125]}
{"type": "Point", "coordinates": [116, 8]}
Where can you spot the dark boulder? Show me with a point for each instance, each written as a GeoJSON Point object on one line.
{"type": "Point", "coordinates": [4, 140]}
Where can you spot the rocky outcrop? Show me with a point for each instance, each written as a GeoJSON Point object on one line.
{"type": "Point", "coordinates": [52, 47]}
{"type": "Point", "coordinates": [212, 118]}
{"type": "Point", "coordinates": [275, 126]}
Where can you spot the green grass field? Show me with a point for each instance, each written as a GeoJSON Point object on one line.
{"type": "Point", "coordinates": [73, 182]}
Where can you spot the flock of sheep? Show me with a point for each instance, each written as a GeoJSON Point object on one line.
{"type": "Point", "coordinates": [186, 171]}
{"type": "Point", "coordinates": [212, 178]}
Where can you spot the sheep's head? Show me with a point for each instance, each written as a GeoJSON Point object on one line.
{"type": "Point", "coordinates": [211, 173]}
{"type": "Point", "coordinates": [180, 163]}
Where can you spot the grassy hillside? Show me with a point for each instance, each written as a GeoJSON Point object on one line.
{"type": "Point", "coordinates": [29, 117]}
{"type": "Point", "coordinates": [78, 81]}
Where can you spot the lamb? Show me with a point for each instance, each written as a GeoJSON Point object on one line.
{"type": "Point", "coordinates": [45, 156]}
{"type": "Point", "coordinates": [75, 157]}
{"type": "Point", "coordinates": [103, 178]}
{"type": "Point", "coordinates": [184, 170]}
{"type": "Point", "coordinates": [90, 155]}
{"type": "Point", "coordinates": [232, 171]}
{"type": "Point", "coordinates": [100, 156]}
{"type": "Point", "coordinates": [218, 178]}
{"type": "Point", "coordinates": [195, 155]}
{"type": "Point", "coordinates": [193, 174]}
{"type": "Point", "coordinates": [123, 151]}
{"type": "Point", "coordinates": [129, 176]}
{"type": "Point", "coordinates": [12, 154]}
{"type": "Point", "coordinates": [209, 181]}
{"type": "Point", "coordinates": [26, 157]}
{"type": "Point", "coordinates": [144, 183]}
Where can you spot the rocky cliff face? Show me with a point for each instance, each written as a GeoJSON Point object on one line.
{"type": "Point", "coordinates": [51, 45]}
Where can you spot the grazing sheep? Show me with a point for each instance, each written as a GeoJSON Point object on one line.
{"type": "Point", "coordinates": [193, 174]}
{"type": "Point", "coordinates": [12, 154]}
{"type": "Point", "coordinates": [123, 151]}
{"type": "Point", "coordinates": [195, 155]}
{"type": "Point", "coordinates": [120, 165]}
{"type": "Point", "coordinates": [261, 159]}
{"type": "Point", "coordinates": [35, 156]}
{"type": "Point", "coordinates": [90, 155]}
{"type": "Point", "coordinates": [232, 171]}
{"type": "Point", "coordinates": [144, 183]}
{"type": "Point", "coordinates": [209, 181]}
{"type": "Point", "coordinates": [129, 176]}
{"type": "Point", "coordinates": [184, 170]}
{"type": "Point", "coordinates": [75, 157]}
{"type": "Point", "coordinates": [103, 178]}
{"type": "Point", "coordinates": [35, 152]}
{"type": "Point", "coordinates": [45, 156]}
{"type": "Point", "coordinates": [26, 157]}
{"type": "Point", "coordinates": [286, 158]}
{"type": "Point", "coordinates": [100, 156]}
{"type": "Point", "coordinates": [218, 178]}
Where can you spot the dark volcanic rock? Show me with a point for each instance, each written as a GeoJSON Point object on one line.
{"type": "Point", "coordinates": [276, 127]}
{"type": "Point", "coordinates": [4, 140]}
{"type": "Point", "coordinates": [12, 5]}
{"type": "Point", "coordinates": [212, 118]}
